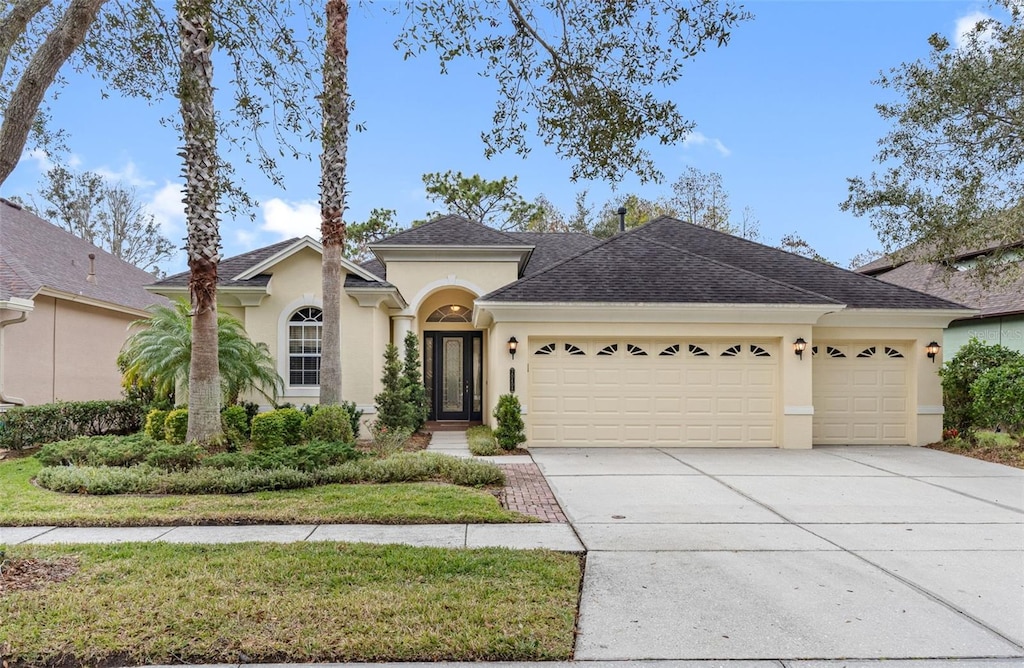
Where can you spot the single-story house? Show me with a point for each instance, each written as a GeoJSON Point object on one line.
{"type": "Point", "coordinates": [669, 334]}
{"type": "Point", "coordinates": [65, 309]}
{"type": "Point", "coordinates": [999, 305]}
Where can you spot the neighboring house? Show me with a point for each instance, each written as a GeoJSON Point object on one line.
{"type": "Point", "coordinates": [1000, 306]}
{"type": "Point", "coordinates": [65, 308]}
{"type": "Point", "coordinates": [669, 334]}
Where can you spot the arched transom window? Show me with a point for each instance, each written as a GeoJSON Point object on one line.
{"type": "Point", "coordinates": [305, 330]}
{"type": "Point", "coordinates": [451, 313]}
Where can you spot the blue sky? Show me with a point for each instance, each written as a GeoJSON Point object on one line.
{"type": "Point", "coordinates": [785, 114]}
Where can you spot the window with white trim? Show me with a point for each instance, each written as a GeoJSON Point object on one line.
{"type": "Point", "coordinates": [305, 333]}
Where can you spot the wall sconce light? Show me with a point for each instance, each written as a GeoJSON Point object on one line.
{"type": "Point", "coordinates": [799, 346]}
{"type": "Point", "coordinates": [932, 350]}
{"type": "Point", "coordinates": [512, 346]}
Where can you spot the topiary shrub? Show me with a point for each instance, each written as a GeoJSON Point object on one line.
{"type": "Point", "coordinates": [393, 410]}
{"type": "Point", "coordinates": [509, 415]}
{"type": "Point", "coordinates": [354, 416]}
{"type": "Point", "coordinates": [412, 383]}
{"type": "Point", "coordinates": [176, 426]}
{"type": "Point", "coordinates": [235, 422]}
{"type": "Point", "coordinates": [960, 373]}
{"type": "Point", "coordinates": [998, 396]}
{"type": "Point", "coordinates": [174, 457]}
{"type": "Point", "coordinates": [155, 420]}
{"type": "Point", "coordinates": [267, 431]}
{"type": "Point", "coordinates": [329, 423]}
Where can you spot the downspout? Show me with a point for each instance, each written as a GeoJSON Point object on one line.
{"type": "Point", "coordinates": [4, 399]}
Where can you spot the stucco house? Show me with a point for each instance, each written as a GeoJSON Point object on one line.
{"type": "Point", "coordinates": [999, 306]}
{"type": "Point", "coordinates": [65, 308]}
{"type": "Point", "coordinates": [669, 334]}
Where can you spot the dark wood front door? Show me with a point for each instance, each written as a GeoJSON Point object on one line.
{"type": "Point", "coordinates": [453, 373]}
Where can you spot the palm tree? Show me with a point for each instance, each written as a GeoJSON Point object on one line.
{"type": "Point", "coordinates": [334, 104]}
{"type": "Point", "coordinates": [159, 354]}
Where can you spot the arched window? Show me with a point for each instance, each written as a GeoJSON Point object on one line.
{"type": "Point", "coordinates": [451, 313]}
{"type": "Point", "coordinates": [305, 331]}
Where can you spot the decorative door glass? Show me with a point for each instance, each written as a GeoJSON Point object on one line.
{"type": "Point", "coordinates": [453, 398]}
{"type": "Point", "coordinates": [478, 377]}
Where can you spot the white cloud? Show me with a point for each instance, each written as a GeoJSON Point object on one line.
{"type": "Point", "coordinates": [40, 157]}
{"type": "Point", "coordinates": [128, 175]}
{"type": "Point", "coordinates": [965, 25]}
{"type": "Point", "coordinates": [291, 219]}
{"type": "Point", "coordinates": [169, 211]}
{"type": "Point", "coordinates": [246, 239]}
{"type": "Point", "coordinates": [700, 139]}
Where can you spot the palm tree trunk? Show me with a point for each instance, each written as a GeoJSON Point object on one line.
{"type": "Point", "coordinates": [334, 104]}
{"type": "Point", "coordinates": [202, 188]}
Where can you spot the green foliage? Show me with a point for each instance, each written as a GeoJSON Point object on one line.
{"type": "Point", "coordinates": [412, 383]}
{"type": "Point", "coordinates": [312, 456]}
{"type": "Point", "coordinates": [268, 431]}
{"type": "Point", "coordinates": [155, 421]}
{"type": "Point", "coordinates": [354, 416]}
{"type": "Point", "coordinates": [388, 440]}
{"type": "Point", "coordinates": [329, 423]}
{"type": "Point", "coordinates": [494, 203]}
{"type": "Point", "coordinates": [176, 426]}
{"type": "Point", "coordinates": [509, 415]}
{"type": "Point", "coordinates": [393, 410]}
{"type": "Point", "coordinates": [174, 457]}
{"type": "Point", "coordinates": [28, 426]}
{"type": "Point", "coordinates": [481, 441]}
{"type": "Point", "coordinates": [961, 372]}
{"type": "Point", "coordinates": [998, 396]}
{"type": "Point", "coordinates": [292, 420]}
{"type": "Point", "coordinates": [160, 351]}
{"type": "Point", "coordinates": [380, 225]}
{"type": "Point", "coordinates": [992, 439]}
{"type": "Point", "coordinates": [97, 451]}
{"type": "Point", "coordinates": [235, 422]}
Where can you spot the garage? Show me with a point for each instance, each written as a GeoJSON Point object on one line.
{"type": "Point", "coordinates": [861, 393]}
{"type": "Point", "coordinates": [644, 392]}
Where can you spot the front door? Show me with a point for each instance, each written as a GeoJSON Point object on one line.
{"type": "Point", "coordinates": [453, 374]}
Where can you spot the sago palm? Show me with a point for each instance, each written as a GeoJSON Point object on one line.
{"type": "Point", "coordinates": [160, 351]}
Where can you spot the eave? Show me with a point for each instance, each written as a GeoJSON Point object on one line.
{"type": "Point", "coordinates": [420, 253]}
{"type": "Point", "coordinates": [90, 301]}
{"type": "Point", "coordinates": [240, 295]}
{"type": "Point", "coordinates": [376, 296]}
{"type": "Point", "coordinates": [878, 317]}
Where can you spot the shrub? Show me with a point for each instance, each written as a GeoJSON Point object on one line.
{"type": "Point", "coordinates": [97, 451]}
{"type": "Point", "coordinates": [174, 457]}
{"type": "Point", "coordinates": [992, 439]}
{"type": "Point", "coordinates": [28, 426]}
{"type": "Point", "coordinates": [998, 396]}
{"type": "Point", "coordinates": [509, 415]}
{"type": "Point", "coordinates": [960, 373]}
{"type": "Point", "coordinates": [235, 423]}
{"type": "Point", "coordinates": [308, 457]}
{"type": "Point", "coordinates": [388, 440]}
{"type": "Point", "coordinates": [100, 480]}
{"type": "Point", "coordinates": [481, 441]}
{"type": "Point", "coordinates": [155, 420]}
{"type": "Point", "coordinates": [329, 423]}
{"type": "Point", "coordinates": [227, 460]}
{"type": "Point", "coordinates": [176, 426]}
{"type": "Point", "coordinates": [354, 415]}
{"type": "Point", "coordinates": [292, 420]}
{"type": "Point", "coordinates": [393, 411]}
{"type": "Point", "coordinates": [412, 383]}
{"type": "Point", "coordinates": [267, 431]}
{"type": "Point", "coordinates": [471, 472]}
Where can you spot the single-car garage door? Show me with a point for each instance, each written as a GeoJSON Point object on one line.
{"type": "Point", "coordinates": [860, 393]}
{"type": "Point", "coordinates": [590, 392]}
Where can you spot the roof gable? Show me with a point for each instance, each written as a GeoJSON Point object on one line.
{"type": "Point", "coordinates": [451, 230]}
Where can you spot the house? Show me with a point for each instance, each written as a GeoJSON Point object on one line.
{"type": "Point", "coordinates": [668, 334]}
{"type": "Point", "coordinates": [1000, 306]}
{"type": "Point", "coordinates": [65, 308]}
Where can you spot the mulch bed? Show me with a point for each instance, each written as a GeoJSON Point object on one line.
{"type": "Point", "coordinates": [1012, 456]}
{"type": "Point", "coordinates": [25, 574]}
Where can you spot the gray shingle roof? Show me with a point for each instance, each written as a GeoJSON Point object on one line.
{"type": "Point", "coordinates": [553, 247]}
{"type": "Point", "coordinates": [230, 267]}
{"type": "Point", "coordinates": [935, 279]}
{"type": "Point", "coordinates": [451, 231]}
{"type": "Point", "coordinates": [35, 254]}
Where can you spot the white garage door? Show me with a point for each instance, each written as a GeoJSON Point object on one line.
{"type": "Point", "coordinates": [860, 393]}
{"type": "Point", "coordinates": [586, 392]}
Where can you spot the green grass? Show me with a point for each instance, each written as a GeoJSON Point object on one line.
{"type": "Point", "coordinates": [24, 504]}
{"type": "Point", "coordinates": [481, 441]}
{"type": "Point", "coordinates": [151, 603]}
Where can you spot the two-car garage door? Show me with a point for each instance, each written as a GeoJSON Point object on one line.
{"type": "Point", "coordinates": [653, 392]}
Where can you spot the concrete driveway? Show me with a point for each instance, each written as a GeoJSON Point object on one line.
{"type": "Point", "coordinates": [831, 553]}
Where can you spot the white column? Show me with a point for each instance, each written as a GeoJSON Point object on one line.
{"type": "Point", "coordinates": [402, 326]}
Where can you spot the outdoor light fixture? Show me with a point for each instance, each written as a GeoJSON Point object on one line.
{"type": "Point", "coordinates": [933, 350]}
{"type": "Point", "coordinates": [799, 346]}
{"type": "Point", "coordinates": [512, 345]}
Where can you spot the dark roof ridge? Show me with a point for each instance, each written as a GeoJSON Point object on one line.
{"type": "Point", "coordinates": [454, 217]}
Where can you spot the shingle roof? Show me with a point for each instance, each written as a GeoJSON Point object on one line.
{"type": "Point", "coordinates": [35, 254]}
{"type": "Point", "coordinates": [230, 267]}
{"type": "Point", "coordinates": [935, 279]}
{"type": "Point", "coordinates": [552, 247]}
{"type": "Point", "coordinates": [451, 231]}
{"type": "Point", "coordinates": [630, 268]}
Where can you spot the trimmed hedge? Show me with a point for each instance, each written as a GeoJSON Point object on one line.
{"type": "Point", "coordinates": [329, 423]}
{"type": "Point", "coordinates": [28, 426]}
{"type": "Point", "coordinates": [176, 426]}
{"type": "Point", "coordinates": [156, 420]}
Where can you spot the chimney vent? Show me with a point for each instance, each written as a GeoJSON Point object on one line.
{"type": "Point", "coordinates": [91, 278]}
{"type": "Point", "coordinates": [622, 218]}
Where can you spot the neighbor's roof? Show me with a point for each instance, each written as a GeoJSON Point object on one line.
{"type": "Point", "coordinates": [669, 261]}
{"type": "Point", "coordinates": [36, 255]}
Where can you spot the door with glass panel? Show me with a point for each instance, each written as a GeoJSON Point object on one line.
{"type": "Point", "coordinates": [453, 374]}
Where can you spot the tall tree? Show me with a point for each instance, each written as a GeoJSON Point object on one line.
{"type": "Point", "coordinates": [495, 203]}
{"type": "Point", "coordinates": [639, 210]}
{"type": "Point", "coordinates": [701, 199]}
{"type": "Point", "coordinates": [110, 216]}
{"type": "Point", "coordinates": [334, 134]}
{"type": "Point", "coordinates": [380, 225]}
{"type": "Point", "coordinates": [794, 243]}
{"type": "Point", "coordinates": [954, 156]}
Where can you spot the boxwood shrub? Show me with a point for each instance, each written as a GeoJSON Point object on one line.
{"type": "Point", "coordinates": [28, 426]}
{"type": "Point", "coordinates": [155, 422]}
{"type": "Point", "coordinates": [176, 426]}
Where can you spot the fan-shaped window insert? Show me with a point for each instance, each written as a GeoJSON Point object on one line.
{"type": "Point", "coordinates": [697, 351]}
{"type": "Point", "coordinates": [758, 351]}
{"type": "Point", "coordinates": [814, 350]}
{"type": "Point", "coordinates": [305, 329]}
{"type": "Point", "coordinates": [892, 352]}
{"type": "Point", "coordinates": [867, 352]}
{"type": "Point", "coordinates": [635, 350]}
{"type": "Point", "coordinates": [834, 352]}
{"type": "Point", "coordinates": [547, 349]}
{"type": "Point", "coordinates": [610, 349]}
{"type": "Point", "coordinates": [732, 351]}
{"type": "Point", "coordinates": [451, 313]}
{"type": "Point", "coordinates": [573, 350]}
{"type": "Point", "coordinates": [671, 351]}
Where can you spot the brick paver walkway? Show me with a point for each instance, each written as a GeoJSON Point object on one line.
{"type": "Point", "coordinates": [526, 491]}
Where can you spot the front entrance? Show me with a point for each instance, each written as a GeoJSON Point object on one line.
{"type": "Point", "coordinates": [453, 374]}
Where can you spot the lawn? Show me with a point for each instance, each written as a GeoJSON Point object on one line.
{"type": "Point", "coordinates": [24, 504]}
{"type": "Point", "coordinates": [135, 603]}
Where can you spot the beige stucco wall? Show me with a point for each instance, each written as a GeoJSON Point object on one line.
{"type": "Point", "coordinates": [64, 351]}
{"type": "Point", "coordinates": [419, 280]}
